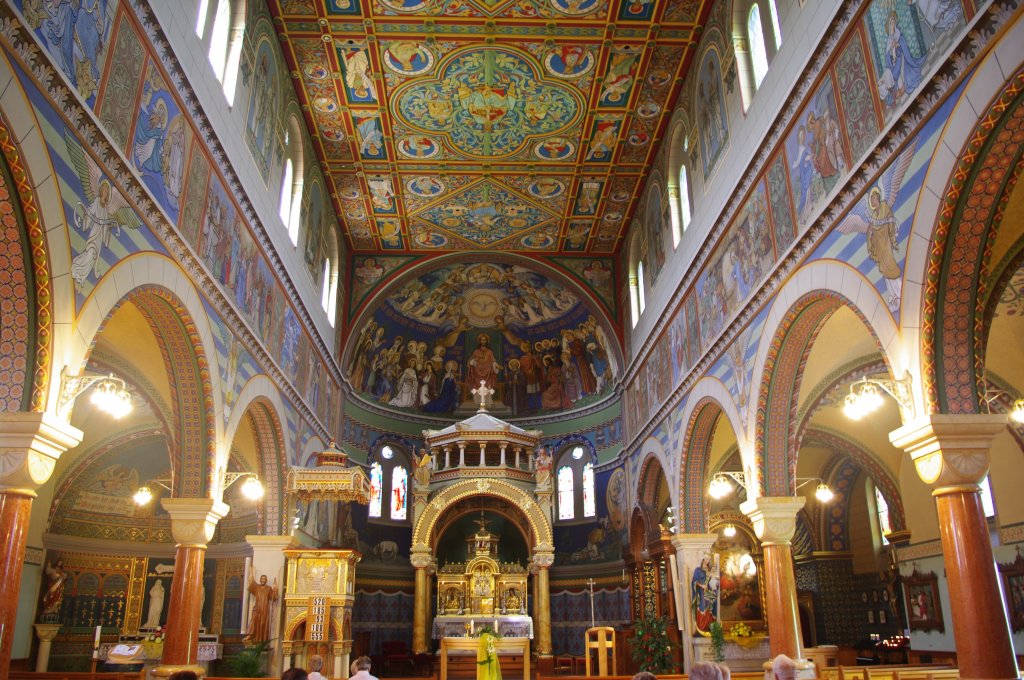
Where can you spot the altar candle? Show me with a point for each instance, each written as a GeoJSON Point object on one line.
{"type": "Point", "coordinates": [495, 626]}
{"type": "Point", "coordinates": [96, 639]}
{"type": "Point", "coordinates": [472, 625]}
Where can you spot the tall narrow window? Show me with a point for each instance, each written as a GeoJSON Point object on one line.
{"type": "Point", "coordinates": [775, 23]}
{"type": "Point", "coordinates": [376, 489]}
{"type": "Point", "coordinates": [219, 38]}
{"type": "Point", "coordinates": [884, 527]}
{"type": "Point", "coordinates": [758, 55]}
{"type": "Point", "coordinates": [566, 504]}
{"type": "Point", "coordinates": [325, 288]}
{"type": "Point", "coordinates": [640, 296]}
{"type": "Point", "coordinates": [986, 498]}
{"type": "Point", "coordinates": [589, 505]}
{"type": "Point", "coordinates": [332, 299]}
{"type": "Point", "coordinates": [684, 198]}
{"type": "Point", "coordinates": [204, 9]}
{"type": "Point", "coordinates": [399, 488]}
{"type": "Point", "coordinates": [285, 207]}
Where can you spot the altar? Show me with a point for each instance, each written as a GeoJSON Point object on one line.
{"type": "Point", "coordinates": [519, 626]}
{"type": "Point", "coordinates": [511, 652]}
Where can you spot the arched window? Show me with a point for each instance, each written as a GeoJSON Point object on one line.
{"type": "Point", "coordinates": [576, 501]}
{"type": "Point", "coordinates": [284, 210]}
{"type": "Point", "coordinates": [882, 509]}
{"type": "Point", "coordinates": [635, 272]}
{"type": "Point", "coordinates": [566, 504]}
{"type": "Point", "coordinates": [987, 504]}
{"type": "Point", "coordinates": [225, 42]}
{"type": "Point", "coordinates": [758, 54]}
{"type": "Point", "coordinates": [204, 9]}
{"type": "Point", "coordinates": [776, 29]}
{"type": "Point", "coordinates": [389, 483]}
{"type": "Point", "coordinates": [641, 299]}
{"type": "Point", "coordinates": [399, 492]}
{"type": "Point", "coordinates": [376, 489]}
{"type": "Point", "coordinates": [684, 200]}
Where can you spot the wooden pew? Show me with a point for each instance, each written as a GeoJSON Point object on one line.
{"type": "Point", "coordinates": [918, 674]}
{"type": "Point", "coordinates": [28, 675]}
{"type": "Point", "coordinates": [889, 672]}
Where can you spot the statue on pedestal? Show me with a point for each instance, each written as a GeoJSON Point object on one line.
{"type": "Point", "coordinates": [264, 595]}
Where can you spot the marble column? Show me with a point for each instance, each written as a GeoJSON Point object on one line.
{"type": "Point", "coordinates": [420, 561]}
{"type": "Point", "coordinates": [193, 521]}
{"type": "Point", "coordinates": [30, 444]}
{"type": "Point", "coordinates": [690, 550]}
{"type": "Point", "coordinates": [45, 632]}
{"type": "Point", "coordinates": [543, 560]}
{"type": "Point", "coordinates": [268, 559]}
{"type": "Point", "coordinates": [952, 453]}
{"type": "Point", "coordinates": [774, 520]}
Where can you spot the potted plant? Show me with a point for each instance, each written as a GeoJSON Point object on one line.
{"type": "Point", "coordinates": [248, 663]}
{"type": "Point", "coordinates": [651, 646]}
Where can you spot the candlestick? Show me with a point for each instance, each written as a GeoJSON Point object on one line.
{"type": "Point", "coordinates": [591, 582]}
{"type": "Point", "coordinates": [96, 639]}
{"type": "Point", "coordinates": [472, 626]}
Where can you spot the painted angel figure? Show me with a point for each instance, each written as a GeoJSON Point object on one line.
{"type": "Point", "coordinates": [105, 211]}
{"type": "Point", "coordinates": [875, 219]}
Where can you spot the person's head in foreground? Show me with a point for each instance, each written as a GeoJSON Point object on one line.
{"type": "Point", "coordinates": [726, 673]}
{"type": "Point", "coordinates": [294, 674]}
{"type": "Point", "coordinates": [783, 668]}
{"type": "Point", "coordinates": [183, 675]}
{"type": "Point", "coordinates": [316, 663]}
{"type": "Point", "coordinates": [705, 671]}
{"type": "Point", "coordinates": [644, 675]}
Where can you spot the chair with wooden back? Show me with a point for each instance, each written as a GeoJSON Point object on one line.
{"type": "Point", "coordinates": [601, 639]}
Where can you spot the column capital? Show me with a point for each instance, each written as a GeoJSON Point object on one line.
{"type": "Point", "coordinates": [420, 556]}
{"type": "Point", "coordinates": [193, 520]}
{"type": "Point", "coordinates": [47, 631]}
{"type": "Point", "coordinates": [30, 444]}
{"type": "Point", "coordinates": [773, 517]}
{"type": "Point", "coordinates": [261, 543]}
{"type": "Point", "coordinates": [950, 449]}
{"type": "Point", "coordinates": [690, 548]}
{"type": "Point", "coordinates": [543, 560]}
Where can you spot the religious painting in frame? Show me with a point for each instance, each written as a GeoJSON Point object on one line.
{"type": "Point", "coordinates": [1013, 589]}
{"type": "Point", "coordinates": [924, 608]}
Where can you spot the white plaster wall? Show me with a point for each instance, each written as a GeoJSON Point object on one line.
{"type": "Point", "coordinates": [178, 21]}
{"type": "Point", "coordinates": [802, 30]}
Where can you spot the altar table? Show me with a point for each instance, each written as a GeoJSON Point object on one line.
{"type": "Point", "coordinates": [467, 646]}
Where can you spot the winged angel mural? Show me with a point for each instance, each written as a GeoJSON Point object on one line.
{"type": "Point", "coordinates": [103, 211]}
{"type": "Point", "coordinates": [876, 219]}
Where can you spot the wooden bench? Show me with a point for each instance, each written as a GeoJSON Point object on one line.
{"type": "Point", "coordinates": [918, 674]}
{"type": "Point", "coordinates": [28, 675]}
{"type": "Point", "coordinates": [884, 672]}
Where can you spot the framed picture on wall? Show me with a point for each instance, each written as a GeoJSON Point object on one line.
{"type": "Point", "coordinates": [924, 610]}
{"type": "Point", "coordinates": [1013, 590]}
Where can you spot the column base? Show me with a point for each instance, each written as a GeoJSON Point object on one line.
{"type": "Point", "coordinates": [804, 670]}
{"type": "Point", "coordinates": [167, 670]}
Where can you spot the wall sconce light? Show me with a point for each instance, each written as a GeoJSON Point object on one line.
{"type": "Point", "coordinates": [1017, 414]}
{"type": "Point", "coordinates": [720, 486]}
{"type": "Point", "coordinates": [111, 394]}
{"type": "Point", "coordinates": [822, 492]}
{"type": "Point", "coordinates": [252, 488]}
{"type": "Point", "coordinates": [865, 396]}
{"type": "Point", "coordinates": [729, 530]}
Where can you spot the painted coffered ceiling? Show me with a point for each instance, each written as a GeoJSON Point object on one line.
{"type": "Point", "coordinates": [516, 125]}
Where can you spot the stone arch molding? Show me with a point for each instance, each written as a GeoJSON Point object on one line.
{"type": "Point", "coordinates": [540, 525]}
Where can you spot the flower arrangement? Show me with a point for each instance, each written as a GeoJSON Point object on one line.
{"type": "Point", "coordinates": [741, 630]}
{"type": "Point", "coordinates": [153, 643]}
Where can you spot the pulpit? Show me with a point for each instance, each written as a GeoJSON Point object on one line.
{"type": "Point", "coordinates": [459, 654]}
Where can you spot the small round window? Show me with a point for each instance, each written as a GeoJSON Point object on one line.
{"type": "Point", "coordinates": [387, 453]}
{"type": "Point", "coordinates": [577, 453]}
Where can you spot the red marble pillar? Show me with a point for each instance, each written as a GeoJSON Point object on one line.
{"type": "Point", "coordinates": [193, 521]}
{"type": "Point", "coordinates": [774, 520]}
{"type": "Point", "coordinates": [30, 444]}
{"type": "Point", "coordinates": [951, 454]}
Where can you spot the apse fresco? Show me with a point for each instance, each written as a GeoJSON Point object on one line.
{"type": "Point", "coordinates": [434, 338]}
{"type": "Point", "coordinates": [465, 141]}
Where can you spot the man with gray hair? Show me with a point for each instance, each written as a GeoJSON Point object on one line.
{"type": "Point", "coordinates": [783, 668]}
{"type": "Point", "coordinates": [705, 671]}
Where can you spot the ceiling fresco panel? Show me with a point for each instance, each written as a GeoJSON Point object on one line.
{"type": "Point", "coordinates": [517, 125]}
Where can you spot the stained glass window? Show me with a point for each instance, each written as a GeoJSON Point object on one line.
{"type": "Point", "coordinates": [376, 489]}
{"type": "Point", "coordinates": [399, 489]}
{"type": "Point", "coordinates": [589, 507]}
{"type": "Point", "coordinates": [566, 503]}
{"type": "Point", "coordinates": [758, 55]}
{"type": "Point", "coordinates": [884, 526]}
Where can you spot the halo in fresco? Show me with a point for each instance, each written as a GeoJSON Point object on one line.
{"type": "Point", "coordinates": [408, 59]}
{"type": "Point", "coordinates": [535, 341]}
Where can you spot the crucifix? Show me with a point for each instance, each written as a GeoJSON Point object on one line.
{"type": "Point", "coordinates": [591, 582]}
{"type": "Point", "coordinates": [483, 395]}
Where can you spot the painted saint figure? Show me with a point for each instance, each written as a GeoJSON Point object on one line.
{"type": "Point", "coordinates": [56, 579]}
{"type": "Point", "coordinates": [482, 364]}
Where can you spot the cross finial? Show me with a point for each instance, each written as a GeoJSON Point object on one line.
{"type": "Point", "coordinates": [483, 396]}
